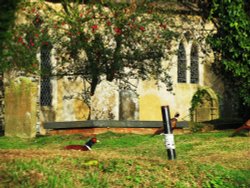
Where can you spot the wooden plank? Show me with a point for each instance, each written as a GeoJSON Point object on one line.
{"type": "Point", "coordinates": [107, 123]}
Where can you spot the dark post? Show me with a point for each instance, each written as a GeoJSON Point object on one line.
{"type": "Point", "coordinates": [169, 137]}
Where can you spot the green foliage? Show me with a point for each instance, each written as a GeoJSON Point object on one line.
{"type": "Point", "coordinates": [22, 42]}
{"type": "Point", "coordinates": [93, 40]}
{"type": "Point", "coordinates": [231, 43]}
{"type": "Point", "coordinates": [7, 18]}
{"type": "Point", "coordinates": [197, 100]}
{"type": "Point", "coordinates": [94, 180]}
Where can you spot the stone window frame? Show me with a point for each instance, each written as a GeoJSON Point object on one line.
{"type": "Point", "coordinates": [194, 63]}
{"type": "Point", "coordinates": [191, 72]}
{"type": "Point", "coordinates": [181, 63]}
{"type": "Point", "coordinates": [46, 68]}
{"type": "Point", "coordinates": [45, 57]}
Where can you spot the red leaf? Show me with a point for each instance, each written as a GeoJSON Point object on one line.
{"type": "Point", "coordinates": [94, 28]}
{"type": "Point", "coordinates": [20, 39]}
{"type": "Point", "coordinates": [142, 28]}
{"type": "Point", "coordinates": [118, 31]}
{"type": "Point", "coordinates": [108, 23]}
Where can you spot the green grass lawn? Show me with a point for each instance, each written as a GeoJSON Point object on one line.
{"type": "Point", "coordinates": [126, 160]}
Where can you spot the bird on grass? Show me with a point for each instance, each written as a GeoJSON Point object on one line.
{"type": "Point", "coordinates": [173, 123]}
{"type": "Point", "coordinates": [86, 147]}
{"type": "Point", "coordinates": [245, 126]}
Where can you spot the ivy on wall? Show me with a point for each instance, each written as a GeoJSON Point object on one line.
{"type": "Point", "coordinates": [196, 100]}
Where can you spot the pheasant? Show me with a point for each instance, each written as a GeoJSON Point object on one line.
{"type": "Point", "coordinates": [245, 126]}
{"type": "Point", "coordinates": [86, 147]}
{"type": "Point", "coordinates": [173, 123]}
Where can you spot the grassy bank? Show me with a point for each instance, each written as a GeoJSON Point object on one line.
{"type": "Point", "coordinates": [126, 160]}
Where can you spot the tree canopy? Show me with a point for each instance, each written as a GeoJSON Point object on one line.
{"type": "Point", "coordinates": [7, 17]}
{"type": "Point", "coordinates": [231, 43]}
{"type": "Point", "coordinates": [116, 41]}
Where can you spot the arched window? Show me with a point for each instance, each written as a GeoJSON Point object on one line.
{"type": "Point", "coordinates": [182, 64]}
{"type": "Point", "coordinates": [46, 88]}
{"type": "Point", "coordinates": [194, 64]}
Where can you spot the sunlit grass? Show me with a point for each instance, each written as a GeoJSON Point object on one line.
{"type": "Point", "coordinates": [126, 160]}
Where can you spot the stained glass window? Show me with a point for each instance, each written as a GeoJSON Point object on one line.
{"type": "Point", "coordinates": [182, 64]}
{"type": "Point", "coordinates": [194, 65]}
{"type": "Point", "coordinates": [46, 88]}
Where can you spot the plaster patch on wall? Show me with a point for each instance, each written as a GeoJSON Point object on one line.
{"type": "Point", "coordinates": [68, 111]}
{"type": "Point", "coordinates": [68, 100]}
{"type": "Point", "coordinates": [81, 110]}
{"type": "Point", "coordinates": [150, 107]}
{"type": "Point", "coordinates": [59, 109]}
{"type": "Point", "coordinates": [105, 102]}
{"type": "Point", "coordinates": [129, 106]}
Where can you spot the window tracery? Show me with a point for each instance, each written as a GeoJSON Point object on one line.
{"type": "Point", "coordinates": [46, 87]}
{"type": "Point", "coordinates": [194, 64]}
{"type": "Point", "coordinates": [182, 64]}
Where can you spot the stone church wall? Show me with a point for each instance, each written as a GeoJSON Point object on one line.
{"type": "Point", "coordinates": [110, 102]}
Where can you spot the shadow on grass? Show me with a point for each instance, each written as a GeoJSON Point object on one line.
{"type": "Point", "coordinates": [223, 124]}
{"type": "Point", "coordinates": [242, 133]}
